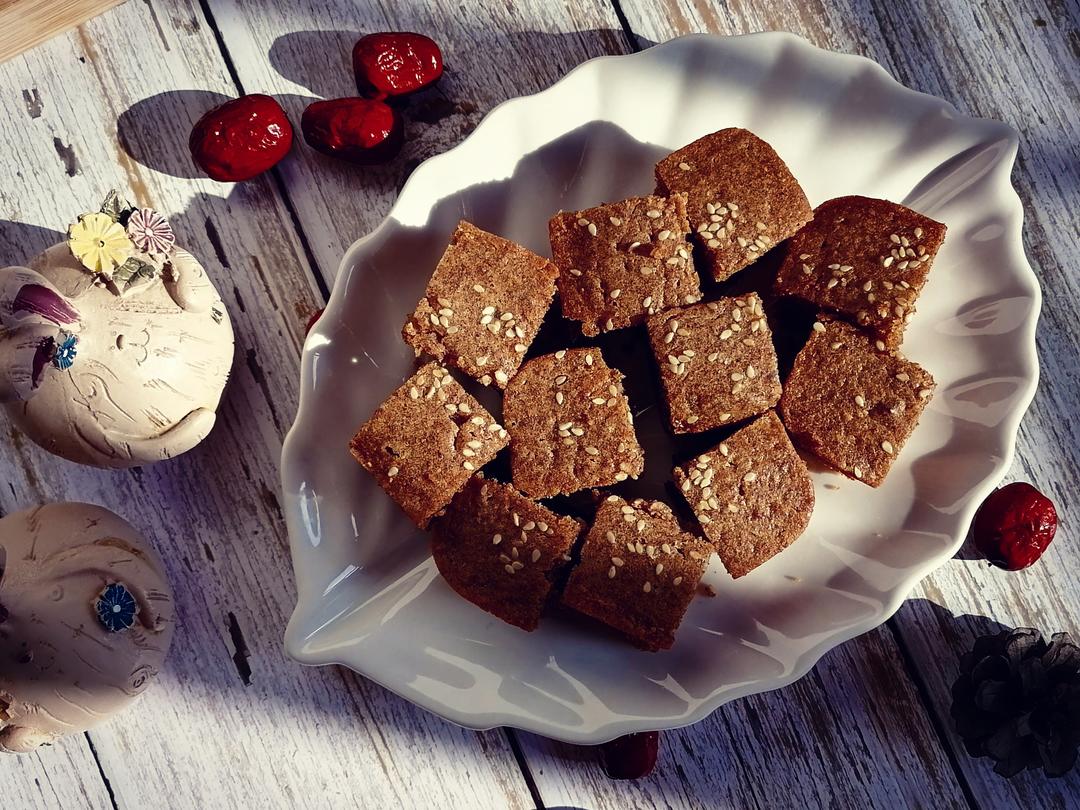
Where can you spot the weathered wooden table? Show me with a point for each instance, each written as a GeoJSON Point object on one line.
{"type": "Point", "coordinates": [232, 722]}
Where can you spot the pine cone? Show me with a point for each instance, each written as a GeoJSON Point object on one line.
{"type": "Point", "coordinates": [1017, 700]}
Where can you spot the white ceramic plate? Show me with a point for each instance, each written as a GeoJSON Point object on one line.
{"type": "Point", "coordinates": [369, 595]}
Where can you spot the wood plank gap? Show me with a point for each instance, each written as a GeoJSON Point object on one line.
{"type": "Point", "coordinates": [523, 765]}
{"type": "Point", "coordinates": [101, 771]}
{"type": "Point", "coordinates": [936, 722]}
{"type": "Point", "coordinates": [631, 38]}
{"type": "Point", "coordinates": [279, 183]}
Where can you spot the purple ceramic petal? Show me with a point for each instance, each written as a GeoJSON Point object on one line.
{"type": "Point", "coordinates": [42, 301]}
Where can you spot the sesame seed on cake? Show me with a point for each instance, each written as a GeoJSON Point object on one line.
{"type": "Point", "coordinates": [502, 551]}
{"type": "Point", "coordinates": [717, 362]}
{"type": "Point", "coordinates": [751, 494]}
{"type": "Point", "coordinates": [483, 306]}
{"type": "Point", "coordinates": [426, 441]}
{"type": "Point", "coordinates": [622, 261]}
{"type": "Point", "coordinates": [865, 259]}
{"type": "Point", "coordinates": [570, 425]}
{"type": "Point", "coordinates": [638, 572]}
{"type": "Point", "coordinates": [853, 402]}
{"type": "Point", "coordinates": [742, 198]}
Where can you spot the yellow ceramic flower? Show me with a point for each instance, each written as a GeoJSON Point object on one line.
{"type": "Point", "coordinates": [99, 242]}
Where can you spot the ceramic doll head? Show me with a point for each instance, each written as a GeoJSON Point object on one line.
{"type": "Point", "coordinates": [114, 345]}
{"type": "Point", "coordinates": [86, 618]}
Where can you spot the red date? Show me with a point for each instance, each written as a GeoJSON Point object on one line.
{"type": "Point", "coordinates": [395, 63]}
{"type": "Point", "coordinates": [1014, 526]}
{"type": "Point", "coordinates": [358, 130]}
{"type": "Point", "coordinates": [241, 138]}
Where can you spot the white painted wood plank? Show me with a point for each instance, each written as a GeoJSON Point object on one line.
{"type": "Point", "coordinates": [231, 722]}
{"type": "Point", "coordinates": [852, 733]}
{"type": "Point", "coordinates": [1017, 64]}
{"type": "Point", "coordinates": [61, 775]}
{"type": "Point", "coordinates": [300, 49]}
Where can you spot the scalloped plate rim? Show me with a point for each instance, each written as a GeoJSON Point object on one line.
{"type": "Point", "coordinates": [806, 661]}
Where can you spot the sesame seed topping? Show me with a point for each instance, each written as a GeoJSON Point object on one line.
{"type": "Point", "coordinates": [918, 233]}
{"type": "Point", "coordinates": [647, 587]}
{"type": "Point", "coordinates": [468, 465]}
{"type": "Point", "coordinates": [588, 359]}
{"type": "Point", "coordinates": [501, 376]}
{"type": "Point", "coordinates": [677, 581]}
{"type": "Point", "coordinates": [560, 354]}
{"type": "Point", "coordinates": [575, 272]}
{"type": "Point", "coordinates": [857, 472]}
{"type": "Point", "coordinates": [611, 572]}
{"type": "Point", "coordinates": [652, 214]}
{"type": "Point", "coordinates": [887, 447]}
{"type": "Point", "coordinates": [860, 401]}
{"type": "Point", "coordinates": [750, 477]}
{"type": "Point", "coordinates": [684, 166]}
{"type": "Point", "coordinates": [592, 229]}
{"type": "Point", "coordinates": [496, 539]}
{"type": "Point", "coordinates": [819, 326]}
{"type": "Point", "coordinates": [392, 472]}
{"type": "Point", "coordinates": [880, 345]}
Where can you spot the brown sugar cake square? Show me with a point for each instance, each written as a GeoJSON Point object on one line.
{"type": "Point", "coordinates": [717, 362]}
{"type": "Point", "coordinates": [483, 305]}
{"type": "Point", "coordinates": [425, 441]}
{"type": "Point", "coordinates": [866, 259]}
{"type": "Point", "coordinates": [751, 494]}
{"type": "Point", "coordinates": [638, 571]}
{"type": "Point", "coordinates": [502, 551]}
{"type": "Point", "coordinates": [852, 402]}
{"type": "Point", "coordinates": [570, 425]}
{"type": "Point", "coordinates": [743, 199]}
{"type": "Point", "coordinates": [622, 261]}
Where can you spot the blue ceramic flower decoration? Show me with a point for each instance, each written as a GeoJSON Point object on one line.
{"type": "Point", "coordinates": [64, 357]}
{"type": "Point", "coordinates": [116, 608]}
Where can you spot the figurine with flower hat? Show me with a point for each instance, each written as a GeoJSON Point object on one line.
{"type": "Point", "coordinates": [115, 346]}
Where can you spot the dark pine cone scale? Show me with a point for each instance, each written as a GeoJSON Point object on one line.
{"type": "Point", "coordinates": [1017, 700]}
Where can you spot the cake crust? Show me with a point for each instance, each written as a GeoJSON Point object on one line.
{"type": "Point", "coordinates": [742, 198]}
{"type": "Point", "coordinates": [502, 551]}
{"type": "Point", "coordinates": [852, 402]}
{"type": "Point", "coordinates": [638, 572]}
{"type": "Point", "coordinates": [622, 261]}
{"type": "Point", "coordinates": [483, 306]}
{"type": "Point", "coordinates": [752, 494]}
{"type": "Point", "coordinates": [570, 425]}
{"type": "Point", "coordinates": [426, 441]}
{"type": "Point", "coordinates": [717, 362]}
{"type": "Point", "coordinates": [865, 259]}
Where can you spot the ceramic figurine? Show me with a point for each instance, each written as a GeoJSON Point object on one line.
{"type": "Point", "coordinates": [86, 618]}
{"type": "Point", "coordinates": [115, 346]}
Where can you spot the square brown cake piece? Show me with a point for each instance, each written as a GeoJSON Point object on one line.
{"type": "Point", "coordinates": [743, 199]}
{"type": "Point", "coordinates": [622, 261]}
{"type": "Point", "coordinates": [502, 551]}
{"type": "Point", "coordinates": [717, 362]}
{"type": "Point", "coordinates": [570, 425]}
{"type": "Point", "coordinates": [483, 305]}
{"type": "Point", "coordinates": [866, 259]}
{"type": "Point", "coordinates": [426, 440]}
{"type": "Point", "coordinates": [751, 494]}
{"type": "Point", "coordinates": [852, 403]}
{"type": "Point", "coordinates": [638, 571]}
